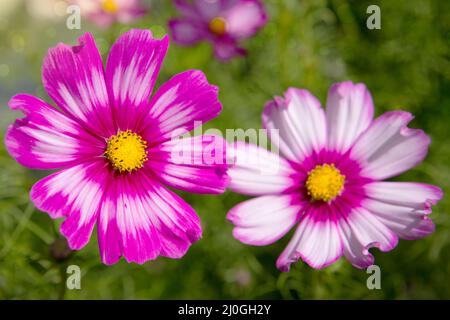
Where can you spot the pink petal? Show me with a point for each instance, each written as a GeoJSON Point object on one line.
{"type": "Point", "coordinates": [195, 164]}
{"type": "Point", "coordinates": [296, 124]}
{"type": "Point", "coordinates": [354, 251]}
{"type": "Point", "coordinates": [46, 138]}
{"type": "Point", "coordinates": [360, 231]}
{"type": "Point", "coordinates": [389, 147]}
{"type": "Point", "coordinates": [245, 18]}
{"type": "Point", "coordinates": [406, 222]}
{"type": "Point", "coordinates": [403, 206]}
{"type": "Point", "coordinates": [264, 220]}
{"type": "Point", "coordinates": [131, 71]}
{"type": "Point", "coordinates": [74, 193]}
{"type": "Point", "coordinates": [184, 102]}
{"type": "Point", "coordinates": [316, 240]}
{"type": "Point", "coordinates": [256, 171]}
{"type": "Point", "coordinates": [208, 9]}
{"type": "Point", "coordinates": [418, 196]}
{"type": "Point", "coordinates": [186, 8]}
{"type": "Point", "coordinates": [74, 79]}
{"type": "Point", "coordinates": [186, 31]}
{"type": "Point", "coordinates": [141, 220]}
{"type": "Point", "coordinates": [349, 112]}
{"type": "Point", "coordinates": [226, 48]}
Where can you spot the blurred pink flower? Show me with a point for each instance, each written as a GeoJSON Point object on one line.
{"type": "Point", "coordinates": [224, 23]}
{"type": "Point", "coordinates": [105, 12]}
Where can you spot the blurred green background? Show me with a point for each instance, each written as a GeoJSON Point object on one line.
{"type": "Point", "coordinates": [308, 44]}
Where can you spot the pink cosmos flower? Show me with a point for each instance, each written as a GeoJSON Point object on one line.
{"type": "Point", "coordinates": [328, 184]}
{"type": "Point", "coordinates": [105, 12]}
{"type": "Point", "coordinates": [115, 150]}
{"type": "Point", "coordinates": [224, 23]}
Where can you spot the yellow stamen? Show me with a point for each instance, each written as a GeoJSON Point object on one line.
{"type": "Point", "coordinates": [325, 182]}
{"type": "Point", "coordinates": [126, 151]}
{"type": "Point", "coordinates": [218, 26]}
{"type": "Point", "coordinates": [110, 6]}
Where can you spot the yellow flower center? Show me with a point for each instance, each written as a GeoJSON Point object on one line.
{"type": "Point", "coordinates": [218, 26]}
{"type": "Point", "coordinates": [110, 6]}
{"type": "Point", "coordinates": [325, 182]}
{"type": "Point", "coordinates": [127, 151]}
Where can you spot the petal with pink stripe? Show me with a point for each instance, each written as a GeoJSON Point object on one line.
{"type": "Point", "coordinates": [296, 124]}
{"type": "Point", "coordinates": [316, 241]}
{"type": "Point", "coordinates": [74, 78]}
{"type": "Point", "coordinates": [361, 230]}
{"type": "Point", "coordinates": [404, 221]}
{"type": "Point", "coordinates": [263, 220]}
{"type": "Point", "coordinates": [389, 147]}
{"type": "Point", "coordinates": [403, 206]}
{"type": "Point", "coordinates": [349, 112]}
{"type": "Point", "coordinates": [131, 71]}
{"type": "Point", "coordinates": [418, 196]}
{"type": "Point", "coordinates": [74, 193]}
{"type": "Point", "coordinates": [194, 164]}
{"type": "Point", "coordinates": [184, 102]}
{"type": "Point", "coordinates": [142, 220]}
{"type": "Point", "coordinates": [256, 171]}
{"type": "Point", "coordinates": [46, 138]}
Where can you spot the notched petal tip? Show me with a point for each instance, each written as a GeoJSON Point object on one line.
{"type": "Point", "coordinates": [438, 193]}
{"type": "Point", "coordinates": [347, 86]}
{"type": "Point", "coordinates": [17, 102]}
{"type": "Point", "coordinates": [271, 105]}
{"type": "Point", "coordinates": [77, 48]}
{"type": "Point", "coordinates": [284, 264]}
{"type": "Point", "coordinates": [82, 42]}
{"type": "Point", "coordinates": [362, 264]}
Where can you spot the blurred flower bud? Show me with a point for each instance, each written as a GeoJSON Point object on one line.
{"type": "Point", "coordinates": [59, 249]}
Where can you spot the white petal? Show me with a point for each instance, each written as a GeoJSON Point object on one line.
{"type": "Point", "coordinates": [296, 124]}
{"type": "Point", "coordinates": [316, 241]}
{"type": "Point", "coordinates": [263, 220]}
{"type": "Point", "coordinates": [256, 171]}
{"type": "Point", "coordinates": [388, 147]}
{"type": "Point", "coordinates": [349, 113]}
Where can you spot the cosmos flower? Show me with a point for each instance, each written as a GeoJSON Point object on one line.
{"type": "Point", "coordinates": [116, 148]}
{"type": "Point", "coordinates": [224, 23]}
{"type": "Point", "coordinates": [329, 183]}
{"type": "Point", "coordinates": [105, 12]}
